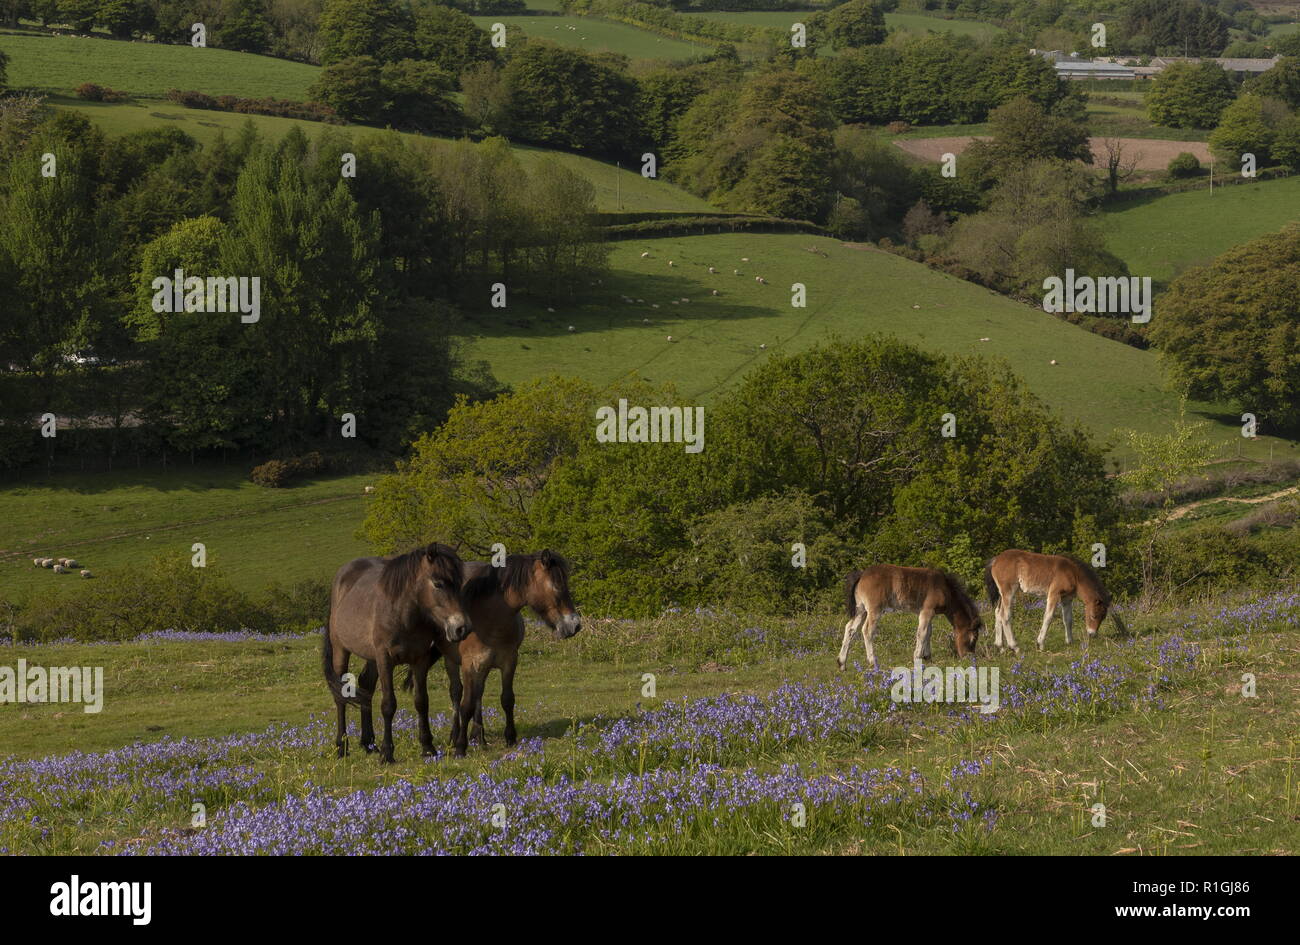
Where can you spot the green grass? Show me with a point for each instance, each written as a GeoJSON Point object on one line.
{"type": "Point", "coordinates": [851, 291]}
{"type": "Point", "coordinates": [1162, 236]}
{"type": "Point", "coordinates": [61, 63]}
{"type": "Point", "coordinates": [594, 35]}
{"type": "Point", "coordinates": [1200, 771]}
{"type": "Point", "coordinates": [253, 535]}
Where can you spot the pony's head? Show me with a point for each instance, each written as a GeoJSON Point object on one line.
{"type": "Point", "coordinates": [433, 574]}
{"type": "Point", "coordinates": [541, 582]}
{"type": "Point", "coordinates": [1096, 601]}
{"type": "Point", "coordinates": [965, 617]}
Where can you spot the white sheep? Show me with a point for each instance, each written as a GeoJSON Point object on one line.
{"type": "Point", "coordinates": [671, 263]}
{"type": "Point", "coordinates": [71, 563]}
{"type": "Point", "coordinates": [47, 562]}
{"type": "Point", "coordinates": [670, 337]}
{"type": "Point", "coordinates": [715, 291]}
{"type": "Point", "coordinates": [36, 562]}
{"type": "Point", "coordinates": [744, 259]}
{"type": "Point", "coordinates": [369, 489]}
{"type": "Point", "coordinates": [645, 255]}
{"type": "Point", "coordinates": [86, 574]}
{"type": "Point", "coordinates": [1053, 361]}
{"type": "Point", "coordinates": [712, 271]}
{"type": "Point", "coordinates": [571, 328]}
{"type": "Point", "coordinates": [60, 569]}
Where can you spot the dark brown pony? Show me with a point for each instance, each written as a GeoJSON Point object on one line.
{"type": "Point", "coordinates": [1058, 577]}
{"type": "Point", "coordinates": [494, 597]}
{"type": "Point", "coordinates": [390, 611]}
{"type": "Point", "coordinates": [923, 591]}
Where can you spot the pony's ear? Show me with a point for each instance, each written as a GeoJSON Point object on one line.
{"type": "Point", "coordinates": [431, 552]}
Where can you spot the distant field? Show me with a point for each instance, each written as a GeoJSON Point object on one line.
{"type": "Point", "coordinates": [851, 291]}
{"type": "Point", "coordinates": [596, 35]}
{"type": "Point", "coordinates": [1150, 154]}
{"type": "Point", "coordinates": [906, 22]}
{"type": "Point", "coordinates": [61, 63]}
{"type": "Point", "coordinates": [615, 188]}
{"type": "Point", "coordinates": [1163, 236]}
{"type": "Point", "coordinates": [109, 520]}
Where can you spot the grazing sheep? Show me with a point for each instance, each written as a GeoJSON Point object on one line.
{"type": "Point", "coordinates": [47, 562]}
{"type": "Point", "coordinates": [36, 562]}
{"type": "Point", "coordinates": [71, 563]}
{"type": "Point", "coordinates": [551, 310]}
{"type": "Point", "coordinates": [60, 569]}
{"type": "Point", "coordinates": [654, 306]}
{"type": "Point", "coordinates": [671, 263]}
{"type": "Point", "coordinates": [645, 321]}
{"type": "Point", "coordinates": [685, 300]}
{"type": "Point", "coordinates": [712, 271]}
{"type": "Point", "coordinates": [645, 255]}
{"type": "Point", "coordinates": [983, 339]}
{"type": "Point", "coordinates": [916, 306]}
{"type": "Point", "coordinates": [571, 328]}
{"type": "Point", "coordinates": [1053, 360]}
{"type": "Point", "coordinates": [86, 574]}
{"type": "Point", "coordinates": [715, 291]}
{"type": "Point", "coordinates": [736, 271]}
{"type": "Point", "coordinates": [369, 489]}
{"type": "Point", "coordinates": [744, 259]}
{"type": "Point", "coordinates": [670, 337]}
{"type": "Point", "coordinates": [762, 347]}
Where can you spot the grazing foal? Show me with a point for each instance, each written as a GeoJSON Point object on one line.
{"type": "Point", "coordinates": [390, 611]}
{"type": "Point", "coordinates": [923, 591]}
{"type": "Point", "coordinates": [1058, 577]}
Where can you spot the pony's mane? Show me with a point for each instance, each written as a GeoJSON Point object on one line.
{"type": "Point", "coordinates": [1096, 578]}
{"type": "Point", "coordinates": [958, 591]}
{"type": "Point", "coordinates": [402, 571]}
{"type": "Point", "coordinates": [517, 574]}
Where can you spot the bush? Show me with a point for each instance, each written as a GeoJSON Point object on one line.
{"type": "Point", "coordinates": [98, 93]}
{"type": "Point", "coordinates": [279, 108]}
{"type": "Point", "coordinates": [1184, 165]}
{"type": "Point", "coordinates": [277, 473]}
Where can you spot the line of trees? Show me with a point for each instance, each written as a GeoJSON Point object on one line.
{"type": "Point", "coordinates": [362, 278]}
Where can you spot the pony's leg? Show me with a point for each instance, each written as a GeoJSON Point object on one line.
{"type": "Point", "coordinates": [508, 696]}
{"type": "Point", "coordinates": [454, 688]}
{"type": "Point", "coordinates": [1049, 611]}
{"type": "Point", "coordinates": [420, 676]}
{"type": "Point", "coordinates": [471, 693]}
{"type": "Point", "coordinates": [1067, 618]}
{"type": "Point", "coordinates": [849, 627]}
{"type": "Point", "coordinates": [1004, 614]}
{"type": "Point", "coordinates": [868, 633]}
{"type": "Point", "coordinates": [341, 735]}
{"type": "Point", "coordinates": [476, 732]}
{"type": "Point", "coordinates": [922, 649]}
{"type": "Point", "coordinates": [388, 706]}
{"type": "Point", "coordinates": [366, 687]}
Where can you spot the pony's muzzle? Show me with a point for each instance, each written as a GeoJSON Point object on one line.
{"type": "Point", "coordinates": [568, 625]}
{"type": "Point", "coordinates": [457, 628]}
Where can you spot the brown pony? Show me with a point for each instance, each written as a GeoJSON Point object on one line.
{"type": "Point", "coordinates": [389, 611]}
{"type": "Point", "coordinates": [494, 596]}
{"type": "Point", "coordinates": [1060, 578]}
{"type": "Point", "coordinates": [923, 591]}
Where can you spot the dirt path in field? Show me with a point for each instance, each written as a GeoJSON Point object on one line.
{"type": "Point", "coordinates": [1182, 510]}
{"type": "Point", "coordinates": [1153, 154]}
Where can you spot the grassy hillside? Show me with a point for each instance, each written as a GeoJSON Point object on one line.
{"type": "Point", "coordinates": [596, 35]}
{"type": "Point", "coordinates": [1163, 236]}
{"type": "Point", "coordinates": [852, 290]}
{"type": "Point", "coordinates": [1151, 724]}
{"type": "Point", "coordinates": [61, 63]}
{"type": "Point", "coordinates": [254, 536]}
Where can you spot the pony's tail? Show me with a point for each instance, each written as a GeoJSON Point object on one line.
{"type": "Point", "coordinates": [336, 683]}
{"type": "Point", "coordinates": [850, 593]}
{"type": "Point", "coordinates": [991, 586]}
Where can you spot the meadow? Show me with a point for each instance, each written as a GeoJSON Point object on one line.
{"type": "Point", "coordinates": [903, 22]}
{"type": "Point", "coordinates": [750, 743]}
{"type": "Point", "coordinates": [852, 290]}
{"type": "Point", "coordinates": [54, 64]}
{"type": "Point", "coordinates": [1162, 236]}
{"type": "Point", "coordinates": [594, 35]}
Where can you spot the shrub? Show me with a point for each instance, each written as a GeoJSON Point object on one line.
{"type": "Point", "coordinates": [98, 93]}
{"type": "Point", "coordinates": [277, 473]}
{"type": "Point", "coordinates": [1184, 165]}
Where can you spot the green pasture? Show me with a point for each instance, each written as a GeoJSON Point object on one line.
{"type": "Point", "coordinates": [595, 35]}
